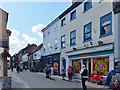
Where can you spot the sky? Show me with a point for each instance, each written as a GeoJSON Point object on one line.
{"type": "Point", "coordinates": [27, 18]}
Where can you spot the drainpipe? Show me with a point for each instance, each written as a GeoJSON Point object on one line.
{"type": "Point", "coordinates": [116, 10]}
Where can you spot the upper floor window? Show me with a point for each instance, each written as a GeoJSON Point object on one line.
{"type": "Point", "coordinates": [63, 41]}
{"type": "Point", "coordinates": [73, 15]}
{"type": "Point", "coordinates": [106, 25]}
{"type": "Point", "coordinates": [88, 31]}
{"type": "Point", "coordinates": [73, 38]}
{"type": "Point", "coordinates": [87, 5]}
{"type": "Point", "coordinates": [63, 22]}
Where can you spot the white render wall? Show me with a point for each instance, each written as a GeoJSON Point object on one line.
{"type": "Point", "coordinates": [38, 54]}
{"type": "Point", "coordinates": [25, 57]}
{"type": "Point", "coordinates": [51, 37]}
{"type": "Point", "coordinates": [93, 15]}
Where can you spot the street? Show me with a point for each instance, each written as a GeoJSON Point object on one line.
{"type": "Point", "coordinates": [28, 79]}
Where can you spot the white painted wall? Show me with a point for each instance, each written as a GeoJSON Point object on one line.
{"type": "Point", "coordinates": [93, 15]}
{"type": "Point", "coordinates": [25, 57]}
{"type": "Point", "coordinates": [117, 37]}
{"type": "Point", "coordinates": [51, 37]}
{"type": "Point", "coordinates": [38, 54]}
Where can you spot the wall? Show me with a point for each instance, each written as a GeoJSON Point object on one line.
{"type": "Point", "coordinates": [49, 36]}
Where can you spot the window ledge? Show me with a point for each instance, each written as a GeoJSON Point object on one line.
{"type": "Point", "coordinates": [106, 35]}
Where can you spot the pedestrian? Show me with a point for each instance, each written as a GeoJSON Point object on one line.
{"type": "Point", "coordinates": [63, 73]}
{"type": "Point", "coordinates": [46, 72]}
{"type": "Point", "coordinates": [84, 76]}
{"type": "Point", "coordinates": [18, 68]}
{"type": "Point", "coordinates": [52, 70]}
{"type": "Point", "coordinates": [69, 73]}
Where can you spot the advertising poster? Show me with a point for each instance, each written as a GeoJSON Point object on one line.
{"type": "Point", "coordinates": [55, 67]}
{"type": "Point", "coordinates": [76, 65]}
{"type": "Point", "coordinates": [101, 65]}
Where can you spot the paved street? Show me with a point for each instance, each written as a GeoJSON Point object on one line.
{"type": "Point", "coordinates": [28, 79]}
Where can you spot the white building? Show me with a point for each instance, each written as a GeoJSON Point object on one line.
{"type": "Point", "coordinates": [87, 36]}
{"type": "Point", "coordinates": [51, 44]}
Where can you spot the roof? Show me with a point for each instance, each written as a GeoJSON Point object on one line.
{"type": "Point", "coordinates": [63, 14]}
{"type": "Point", "coordinates": [37, 48]}
{"type": "Point", "coordinates": [70, 8]}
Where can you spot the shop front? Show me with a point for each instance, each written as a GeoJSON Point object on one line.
{"type": "Point", "coordinates": [53, 60]}
{"type": "Point", "coordinates": [97, 62]}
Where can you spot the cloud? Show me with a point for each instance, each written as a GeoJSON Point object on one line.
{"type": "Point", "coordinates": [37, 29]}
{"type": "Point", "coordinates": [29, 39]}
{"type": "Point", "coordinates": [15, 43]}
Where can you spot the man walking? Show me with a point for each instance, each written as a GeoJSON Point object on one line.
{"type": "Point", "coordinates": [84, 75]}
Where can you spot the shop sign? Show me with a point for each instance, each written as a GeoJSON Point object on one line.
{"type": "Point", "coordinates": [84, 55]}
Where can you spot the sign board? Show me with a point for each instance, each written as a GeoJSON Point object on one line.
{"type": "Point", "coordinates": [1, 50]}
{"type": "Point", "coordinates": [116, 6]}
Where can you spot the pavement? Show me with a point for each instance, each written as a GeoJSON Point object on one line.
{"type": "Point", "coordinates": [0, 84]}
{"type": "Point", "coordinates": [89, 84]}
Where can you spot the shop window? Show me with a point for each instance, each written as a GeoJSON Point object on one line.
{"type": "Point", "coordinates": [101, 65]}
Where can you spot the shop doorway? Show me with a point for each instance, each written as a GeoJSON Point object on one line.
{"type": "Point", "coordinates": [64, 64]}
{"type": "Point", "coordinates": [87, 63]}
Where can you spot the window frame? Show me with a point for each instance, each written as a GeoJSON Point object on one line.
{"type": "Point", "coordinates": [85, 3]}
{"type": "Point", "coordinates": [101, 30]}
{"type": "Point", "coordinates": [71, 15]}
{"type": "Point", "coordinates": [89, 39]}
{"type": "Point", "coordinates": [63, 42]}
{"type": "Point", "coordinates": [63, 24]}
{"type": "Point", "coordinates": [72, 32]}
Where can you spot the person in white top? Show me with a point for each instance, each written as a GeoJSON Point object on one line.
{"type": "Point", "coordinates": [84, 75]}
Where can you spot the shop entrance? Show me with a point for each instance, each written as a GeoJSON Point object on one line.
{"type": "Point", "coordinates": [87, 63]}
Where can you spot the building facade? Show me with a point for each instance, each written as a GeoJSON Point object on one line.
{"type": "Point", "coordinates": [51, 45]}
{"type": "Point", "coordinates": [87, 36]}
{"type": "Point", "coordinates": [35, 59]}
{"type": "Point", "coordinates": [4, 42]}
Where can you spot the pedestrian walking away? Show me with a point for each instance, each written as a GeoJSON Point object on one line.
{"type": "Point", "coordinates": [69, 73]}
{"type": "Point", "coordinates": [84, 76]}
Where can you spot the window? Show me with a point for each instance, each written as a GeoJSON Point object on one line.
{"type": "Point", "coordinates": [63, 41]}
{"type": "Point", "coordinates": [106, 25]}
{"type": "Point", "coordinates": [87, 31]}
{"type": "Point", "coordinates": [73, 15]}
{"type": "Point", "coordinates": [63, 22]}
{"type": "Point", "coordinates": [73, 38]}
{"type": "Point", "coordinates": [87, 5]}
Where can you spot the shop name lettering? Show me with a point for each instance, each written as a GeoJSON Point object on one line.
{"type": "Point", "coordinates": [83, 55]}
